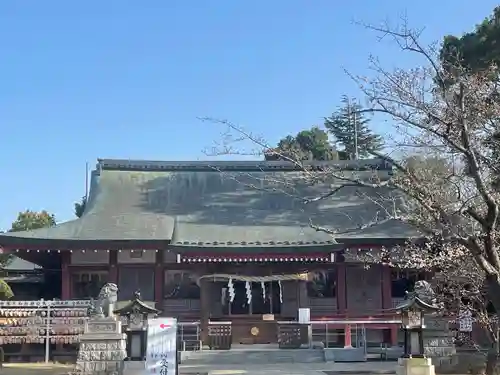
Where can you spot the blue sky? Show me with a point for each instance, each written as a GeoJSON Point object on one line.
{"type": "Point", "coordinates": [128, 79]}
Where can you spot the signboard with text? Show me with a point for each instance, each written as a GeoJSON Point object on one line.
{"type": "Point", "coordinates": [161, 350]}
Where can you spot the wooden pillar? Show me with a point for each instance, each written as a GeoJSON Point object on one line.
{"type": "Point", "coordinates": [302, 297]}
{"type": "Point", "coordinates": [342, 300]}
{"type": "Point", "coordinates": [387, 301]}
{"type": "Point", "coordinates": [113, 267]}
{"type": "Point", "coordinates": [65, 276]}
{"type": "Point", "coordinates": [205, 301]}
{"type": "Point", "coordinates": [341, 289]}
{"type": "Point", "coordinates": [159, 275]}
{"type": "Point", "coordinates": [347, 336]}
{"type": "Point", "coordinates": [386, 288]}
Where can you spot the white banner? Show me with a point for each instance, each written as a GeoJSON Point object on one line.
{"type": "Point", "coordinates": [161, 350]}
{"type": "Point", "coordinates": [465, 321]}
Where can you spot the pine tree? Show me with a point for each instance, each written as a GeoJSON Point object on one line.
{"type": "Point", "coordinates": [345, 123]}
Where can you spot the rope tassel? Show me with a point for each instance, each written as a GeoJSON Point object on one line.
{"type": "Point", "coordinates": [249, 292]}
{"type": "Point", "coordinates": [230, 287]}
{"type": "Point", "coordinates": [281, 291]}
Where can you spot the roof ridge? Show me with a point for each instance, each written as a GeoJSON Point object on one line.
{"type": "Point", "coordinates": [235, 165]}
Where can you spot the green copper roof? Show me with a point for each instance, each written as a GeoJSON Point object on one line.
{"type": "Point", "coordinates": [219, 204]}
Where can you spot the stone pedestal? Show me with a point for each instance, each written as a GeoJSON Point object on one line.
{"type": "Point", "coordinates": [439, 341]}
{"type": "Point", "coordinates": [102, 348]}
{"type": "Point", "coordinates": [134, 368]}
{"type": "Point", "coordinates": [415, 366]}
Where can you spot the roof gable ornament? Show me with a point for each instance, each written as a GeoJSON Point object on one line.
{"type": "Point", "coordinates": [137, 307]}
{"type": "Point", "coordinates": [421, 298]}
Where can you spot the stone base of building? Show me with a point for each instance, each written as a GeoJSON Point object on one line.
{"type": "Point", "coordinates": [102, 348]}
{"type": "Point", "coordinates": [415, 366]}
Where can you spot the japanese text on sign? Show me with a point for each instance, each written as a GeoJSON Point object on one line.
{"type": "Point", "coordinates": [161, 350]}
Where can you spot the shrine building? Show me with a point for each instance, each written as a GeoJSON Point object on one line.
{"type": "Point", "coordinates": [228, 241]}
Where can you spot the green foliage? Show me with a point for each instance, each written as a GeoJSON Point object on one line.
{"type": "Point", "coordinates": [29, 220]}
{"type": "Point", "coordinates": [345, 123]}
{"type": "Point", "coordinates": [475, 51]}
{"type": "Point", "coordinates": [310, 144]}
{"type": "Point", "coordinates": [5, 259]}
{"type": "Point", "coordinates": [80, 206]}
{"type": "Point", "coordinates": [5, 290]}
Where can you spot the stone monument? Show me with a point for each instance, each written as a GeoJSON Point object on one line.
{"type": "Point", "coordinates": [102, 345]}
{"type": "Point", "coordinates": [438, 338]}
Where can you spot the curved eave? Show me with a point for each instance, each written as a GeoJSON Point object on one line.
{"type": "Point", "coordinates": [94, 231]}
{"type": "Point", "coordinates": [374, 241]}
{"type": "Point", "coordinates": [280, 247]}
{"type": "Point", "coordinates": [275, 248]}
{"type": "Point", "coordinates": [29, 243]}
{"type": "Point", "coordinates": [143, 308]}
{"type": "Point", "coordinates": [33, 243]}
{"type": "Point", "coordinates": [408, 304]}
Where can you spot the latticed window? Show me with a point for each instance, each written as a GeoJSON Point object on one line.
{"type": "Point", "coordinates": [87, 284]}
{"type": "Point", "coordinates": [403, 281]}
{"type": "Point", "coordinates": [133, 279]}
{"type": "Point", "coordinates": [181, 284]}
{"type": "Point", "coordinates": [322, 284]}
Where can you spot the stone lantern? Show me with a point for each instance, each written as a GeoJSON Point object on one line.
{"type": "Point", "coordinates": [412, 310]}
{"type": "Point", "coordinates": [135, 315]}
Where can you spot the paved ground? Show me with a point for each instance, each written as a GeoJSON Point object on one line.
{"type": "Point", "coordinates": [34, 369]}
{"type": "Point", "coordinates": [293, 369]}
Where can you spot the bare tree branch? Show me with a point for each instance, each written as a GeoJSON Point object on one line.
{"type": "Point", "coordinates": [445, 159]}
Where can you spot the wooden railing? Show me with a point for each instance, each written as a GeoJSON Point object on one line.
{"type": "Point", "coordinates": [181, 308]}
{"type": "Point", "coordinates": [348, 332]}
{"type": "Point", "coordinates": [322, 307]}
{"type": "Point", "coordinates": [292, 335]}
{"type": "Point", "coordinates": [220, 335]}
{"type": "Point", "coordinates": [189, 336]}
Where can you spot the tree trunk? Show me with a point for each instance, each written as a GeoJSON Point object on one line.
{"type": "Point", "coordinates": [492, 360]}
{"type": "Point", "coordinates": [493, 283]}
{"type": "Point", "coordinates": [493, 356]}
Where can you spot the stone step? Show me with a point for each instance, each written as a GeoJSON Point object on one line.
{"type": "Point", "coordinates": [270, 356]}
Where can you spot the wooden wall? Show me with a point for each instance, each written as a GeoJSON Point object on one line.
{"type": "Point", "coordinates": [360, 291]}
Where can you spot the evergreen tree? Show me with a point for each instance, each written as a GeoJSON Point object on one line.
{"type": "Point", "coordinates": [477, 52]}
{"type": "Point", "coordinates": [30, 220]}
{"type": "Point", "coordinates": [312, 144]}
{"type": "Point", "coordinates": [350, 127]}
{"type": "Point", "coordinates": [80, 206]}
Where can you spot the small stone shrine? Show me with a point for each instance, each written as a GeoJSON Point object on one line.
{"type": "Point", "coordinates": [102, 345]}
{"type": "Point", "coordinates": [134, 315]}
{"type": "Point", "coordinates": [418, 302]}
